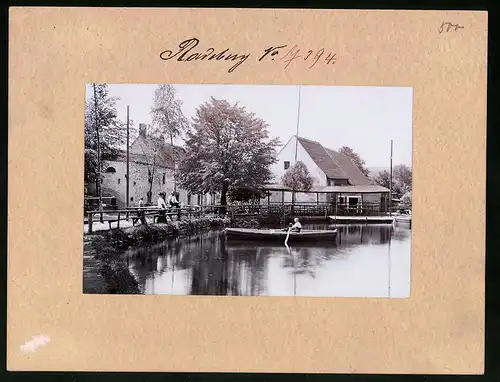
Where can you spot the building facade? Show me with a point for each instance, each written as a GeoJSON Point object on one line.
{"type": "Point", "coordinates": [334, 176]}
{"type": "Point", "coordinates": [152, 164]}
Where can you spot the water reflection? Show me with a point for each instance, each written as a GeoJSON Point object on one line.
{"type": "Point", "coordinates": [365, 261]}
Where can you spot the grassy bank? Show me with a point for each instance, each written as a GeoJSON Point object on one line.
{"type": "Point", "coordinates": [105, 247]}
{"type": "Point", "coordinates": [124, 238]}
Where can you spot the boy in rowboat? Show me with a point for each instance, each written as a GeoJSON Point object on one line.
{"type": "Point", "coordinates": [296, 227]}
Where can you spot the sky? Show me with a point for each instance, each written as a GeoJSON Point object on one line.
{"type": "Point", "coordinates": [363, 118]}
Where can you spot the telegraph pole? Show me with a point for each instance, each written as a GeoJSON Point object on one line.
{"type": "Point", "coordinates": [128, 161]}
{"type": "Point", "coordinates": [390, 186]}
{"type": "Point", "coordinates": [98, 153]}
{"type": "Point", "coordinates": [297, 134]}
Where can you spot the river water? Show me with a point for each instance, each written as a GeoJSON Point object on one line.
{"type": "Point", "coordinates": [365, 261]}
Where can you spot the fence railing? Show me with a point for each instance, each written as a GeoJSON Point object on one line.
{"type": "Point", "coordinates": [140, 214]}
{"type": "Point", "coordinates": [311, 209]}
{"type": "Point", "coordinates": [234, 211]}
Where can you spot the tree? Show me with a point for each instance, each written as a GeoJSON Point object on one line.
{"type": "Point", "coordinates": [356, 158]}
{"type": "Point", "coordinates": [406, 200]}
{"type": "Point", "coordinates": [227, 147]}
{"type": "Point", "coordinates": [151, 150]}
{"type": "Point", "coordinates": [403, 177]}
{"type": "Point", "coordinates": [298, 179]}
{"type": "Point", "coordinates": [167, 115]}
{"type": "Point", "coordinates": [101, 115]}
{"type": "Point", "coordinates": [383, 179]}
{"type": "Point", "coordinates": [245, 194]}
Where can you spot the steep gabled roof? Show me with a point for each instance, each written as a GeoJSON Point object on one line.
{"type": "Point", "coordinates": [334, 164]}
{"type": "Point", "coordinates": [144, 148]}
{"type": "Point", "coordinates": [356, 177]}
{"type": "Point", "coordinates": [321, 157]}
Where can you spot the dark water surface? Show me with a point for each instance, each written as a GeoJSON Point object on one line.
{"type": "Point", "coordinates": [365, 261]}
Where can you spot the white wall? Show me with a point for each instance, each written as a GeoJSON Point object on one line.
{"type": "Point", "coordinates": [288, 154]}
{"type": "Point", "coordinates": [139, 183]}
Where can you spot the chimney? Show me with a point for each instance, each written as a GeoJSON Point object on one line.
{"type": "Point", "coordinates": [142, 130]}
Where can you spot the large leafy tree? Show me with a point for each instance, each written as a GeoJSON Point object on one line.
{"type": "Point", "coordinates": [356, 158]}
{"type": "Point", "coordinates": [101, 117]}
{"type": "Point", "coordinates": [227, 147]}
{"type": "Point", "coordinates": [168, 119]}
{"type": "Point", "coordinates": [401, 179]}
{"type": "Point", "coordinates": [298, 179]}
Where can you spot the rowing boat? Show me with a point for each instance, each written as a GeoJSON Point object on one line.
{"type": "Point", "coordinates": [280, 235]}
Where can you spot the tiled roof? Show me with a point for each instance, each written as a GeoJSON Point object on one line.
{"type": "Point", "coordinates": [143, 150]}
{"type": "Point", "coordinates": [356, 177]}
{"type": "Point", "coordinates": [322, 158]}
{"type": "Point", "coordinates": [334, 164]}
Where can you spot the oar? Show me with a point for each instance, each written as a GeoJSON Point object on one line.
{"type": "Point", "coordinates": [287, 236]}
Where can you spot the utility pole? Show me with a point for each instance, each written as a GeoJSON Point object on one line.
{"type": "Point", "coordinates": [98, 153]}
{"type": "Point", "coordinates": [390, 186]}
{"type": "Point", "coordinates": [296, 148]}
{"type": "Point", "coordinates": [128, 161]}
{"type": "Point", "coordinates": [297, 134]}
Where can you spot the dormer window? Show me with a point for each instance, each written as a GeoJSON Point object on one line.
{"type": "Point", "coordinates": [287, 165]}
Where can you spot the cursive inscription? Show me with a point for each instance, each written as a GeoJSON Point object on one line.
{"type": "Point", "coordinates": [186, 53]}
{"type": "Point", "coordinates": [287, 56]}
{"type": "Point", "coordinates": [447, 26]}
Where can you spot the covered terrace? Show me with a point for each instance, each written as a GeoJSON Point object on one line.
{"type": "Point", "coordinates": [340, 200]}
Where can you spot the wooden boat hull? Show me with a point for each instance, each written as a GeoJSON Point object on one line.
{"type": "Point", "coordinates": [279, 235]}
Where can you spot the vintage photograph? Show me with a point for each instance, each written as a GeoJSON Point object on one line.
{"type": "Point", "coordinates": [247, 190]}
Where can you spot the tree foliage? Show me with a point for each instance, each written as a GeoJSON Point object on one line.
{"type": "Point", "coordinates": [244, 195]}
{"type": "Point", "coordinates": [406, 200]}
{"type": "Point", "coordinates": [403, 176]}
{"type": "Point", "coordinates": [356, 158]}
{"type": "Point", "coordinates": [401, 179]}
{"type": "Point", "coordinates": [227, 147]}
{"type": "Point", "coordinates": [101, 115]}
{"type": "Point", "coordinates": [168, 118]}
{"type": "Point", "coordinates": [298, 178]}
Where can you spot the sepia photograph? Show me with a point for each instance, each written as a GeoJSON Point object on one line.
{"type": "Point", "coordinates": [247, 190]}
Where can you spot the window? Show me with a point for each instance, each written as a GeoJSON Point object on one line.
{"type": "Point", "coordinates": [119, 180]}
{"type": "Point", "coordinates": [135, 183]}
{"type": "Point", "coordinates": [110, 170]}
{"type": "Point", "coordinates": [163, 178]}
{"type": "Point", "coordinates": [287, 165]}
{"type": "Point", "coordinates": [189, 200]}
{"type": "Point", "coordinates": [132, 199]}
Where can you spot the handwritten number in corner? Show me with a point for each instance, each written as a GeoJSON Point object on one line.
{"type": "Point", "coordinates": [448, 27]}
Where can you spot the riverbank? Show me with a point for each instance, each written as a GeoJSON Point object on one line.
{"type": "Point", "coordinates": [103, 250]}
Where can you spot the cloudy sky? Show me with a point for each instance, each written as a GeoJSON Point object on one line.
{"type": "Point", "coordinates": [364, 118]}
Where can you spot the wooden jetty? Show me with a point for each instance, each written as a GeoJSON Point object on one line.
{"type": "Point", "coordinates": [362, 219]}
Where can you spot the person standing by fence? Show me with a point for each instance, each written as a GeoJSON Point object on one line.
{"type": "Point", "coordinates": [163, 206]}
{"type": "Point", "coordinates": [173, 203]}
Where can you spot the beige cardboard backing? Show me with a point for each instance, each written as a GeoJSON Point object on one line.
{"type": "Point", "coordinates": [54, 52]}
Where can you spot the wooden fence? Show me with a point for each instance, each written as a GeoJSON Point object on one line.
{"type": "Point", "coordinates": [141, 214]}
{"type": "Point", "coordinates": [276, 210]}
